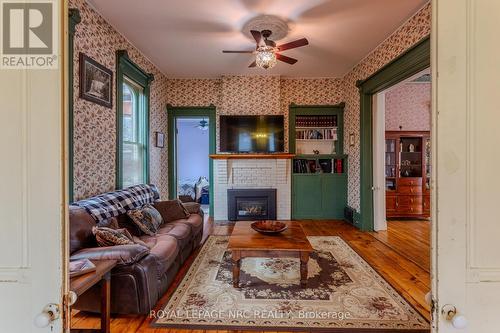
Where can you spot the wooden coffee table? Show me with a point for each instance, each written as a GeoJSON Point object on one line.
{"type": "Point", "coordinates": [245, 242]}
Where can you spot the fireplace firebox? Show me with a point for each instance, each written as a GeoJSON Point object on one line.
{"type": "Point", "coordinates": [251, 204]}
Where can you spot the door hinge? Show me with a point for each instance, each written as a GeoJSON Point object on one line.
{"type": "Point", "coordinates": [434, 309]}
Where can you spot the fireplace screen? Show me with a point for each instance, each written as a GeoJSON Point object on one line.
{"type": "Point", "coordinates": [251, 207]}
{"type": "Point", "coordinates": [251, 204]}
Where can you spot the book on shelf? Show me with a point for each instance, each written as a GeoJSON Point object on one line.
{"type": "Point", "coordinates": [338, 165]}
{"type": "Point", "coordinates": [316, 134]}
{"type": "Point", "coordinates": [325, 165]}
{"type": "Point", "coordinates": [316, 121]}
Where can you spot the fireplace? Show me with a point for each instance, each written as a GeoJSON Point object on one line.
{"type": "Point", "coordinates": [251, 204]}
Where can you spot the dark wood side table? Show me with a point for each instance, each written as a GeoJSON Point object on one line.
{"type": "Point", "coordinates": [291, 243]}
{"type": "Point", "coordinates": [80, 284]}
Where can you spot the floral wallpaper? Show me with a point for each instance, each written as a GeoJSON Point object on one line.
{"type": "Point", "coordinates": [193, 92]}
{"type": "Point", "coordinates": [408, 106]}
{"type": "Point", "coordinates": [411, 32]}
{"type": "Point", "coordinates": [251, 95]}
{"type": "Point", "coordinates": [95, 125]}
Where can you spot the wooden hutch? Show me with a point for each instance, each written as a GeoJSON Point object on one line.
{"type": "Point", "coordinates": [407, 174]}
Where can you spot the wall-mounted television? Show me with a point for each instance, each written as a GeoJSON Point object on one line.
{"type": "Point", "coordinates": [252, 134]}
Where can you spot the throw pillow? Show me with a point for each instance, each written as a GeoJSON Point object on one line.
{"type": "Point", "coordinates": [171, 210]}
{"type": "Point", "coordinates": [147, 218]}
{"type": "Point", "coordinates": [192, 207]}
{"type": "Point", "coordinates": [111, 237]}
{"type": "Point", "coordinates": [111, 223]}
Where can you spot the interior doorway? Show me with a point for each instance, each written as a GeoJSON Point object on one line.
{"type": "Point", "coordinates": [402, 141]}
{"type": "Point", "coordinates": [192, 160]}
{"type": "Point", "coordinates": [191, 139]}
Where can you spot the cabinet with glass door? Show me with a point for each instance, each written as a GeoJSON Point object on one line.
{"type": "Point", "coordinates": [406, 171]}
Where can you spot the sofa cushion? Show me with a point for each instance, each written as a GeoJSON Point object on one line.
{"type": "Point", "coordinates": [80, 231]}
{"type": "Point", "coordinates": [164, 248]}
{"type": "Point", "coordinates": [194, 221]}
{"type": "Point", "coordinates": [171, 210]}
{"type": "Point", "coordinates": [147, 218]}
{"type": "Point", "coordinates": [180, 231]}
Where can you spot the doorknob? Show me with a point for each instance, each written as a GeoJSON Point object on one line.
{"type": "Point", "coordinates": [50, 313]}
{"type": "Point", "coordinates": [449, 312]}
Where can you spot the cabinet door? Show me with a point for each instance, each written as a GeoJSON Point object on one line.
{"type": "Point", "coordinates": [333, 196]}
{"type": "Point", "coordinates": [306, 196]}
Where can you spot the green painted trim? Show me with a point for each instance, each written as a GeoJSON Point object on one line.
{"type": "Point", "coordinates": [74, 19]}
{"type": "Point", "coordinates": [414, 60]}
{"type": "Point", "coordinates": [126, 67]}
{"type": "Point", "coordinates": [188, 111]}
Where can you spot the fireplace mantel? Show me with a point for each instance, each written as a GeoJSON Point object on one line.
{"type": "Point", "coordinates": [252, 156]}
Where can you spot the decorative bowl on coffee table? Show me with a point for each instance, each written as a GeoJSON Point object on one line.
{"type": "Point", "coordinates": [269, 227]}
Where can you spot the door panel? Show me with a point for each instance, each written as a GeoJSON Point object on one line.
{"type": "Point", "coordinates": [466, 127]}
{"type": "Point", "coordinates": [307, 196]}
{"type": "Point", "coordinates": [333, 200]}
{"type": "Point", "coordinates": [31, 196]}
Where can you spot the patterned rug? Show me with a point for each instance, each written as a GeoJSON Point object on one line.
{"type": "Point", "coordinates": [343, 294]}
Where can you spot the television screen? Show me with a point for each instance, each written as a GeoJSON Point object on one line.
{"type": "Point", "coordinates": [252, 134]}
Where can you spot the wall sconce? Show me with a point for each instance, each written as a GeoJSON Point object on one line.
{"type": "Point", "coordinates": [351, 139]}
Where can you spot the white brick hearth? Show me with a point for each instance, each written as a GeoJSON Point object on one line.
{"type": "Point", "coordinates": [251, 174]}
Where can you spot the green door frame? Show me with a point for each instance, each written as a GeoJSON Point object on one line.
{"type": "Point", "coordinates": [414, 60]}
{"type": "Point", "coordinates": [74, 19]}
{"type": "Point", "coordinates": [187, 112]}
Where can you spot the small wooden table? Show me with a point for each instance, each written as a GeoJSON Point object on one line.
{"type": "Point", "coordinates": [102, 274]}
{"type": "Point", "coordinates": [291, 243]}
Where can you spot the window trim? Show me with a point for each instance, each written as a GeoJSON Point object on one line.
{"type": "Point", "coordinates": [125, 67]}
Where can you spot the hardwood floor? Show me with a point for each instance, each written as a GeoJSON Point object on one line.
{"type": "Point", "coordinates": [410, 239]}
{"type": "Point", "coordinates": [401, 255]}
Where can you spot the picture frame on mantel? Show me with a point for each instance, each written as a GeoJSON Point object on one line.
{"type": "Point", "coordinates": [96, 82]}
{"type": "Point", "coordinates": [159, 140]}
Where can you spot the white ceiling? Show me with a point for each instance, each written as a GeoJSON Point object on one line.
{"type": "Point", "coordinates": [184, 38]}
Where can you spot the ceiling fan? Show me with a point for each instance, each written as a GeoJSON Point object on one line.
{"type": "Point", "coordinates": [266, 52]}
{"type": "Point", "coordinates": [202, 125]}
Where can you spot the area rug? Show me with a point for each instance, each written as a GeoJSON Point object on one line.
{"type": "Point", "coordinates": [343, 294]}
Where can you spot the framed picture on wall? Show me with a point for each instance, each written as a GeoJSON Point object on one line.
{"type": "Point", "coordinates": [96, 82]}
{"type": "Point", "coordinates": [159, 139]}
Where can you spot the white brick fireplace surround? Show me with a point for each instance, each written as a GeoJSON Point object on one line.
{"type": "Point", "coordinates": [251, 174]}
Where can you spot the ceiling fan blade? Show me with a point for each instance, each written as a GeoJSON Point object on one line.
{"type": "Point", "coordinates": [294, 44]}
{"type": "Point", "coordinates": [256, 35]}
{"type": "Point", "coordinates": [226, 51]}
{"type": "Point", "coordinates": [253, 64]}
{"type": "Point", "coordinates": [286, 59]}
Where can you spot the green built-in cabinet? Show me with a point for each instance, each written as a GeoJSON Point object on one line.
{"type": "Point", "coordinates": [319, 169]}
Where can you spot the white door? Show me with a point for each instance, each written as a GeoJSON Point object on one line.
{"type": "Point", "coordinates": [379, 208]}
{"type": "Point", "coordinates": [466, 73]}
{"type": "Point", "coordinates": [31, 191]}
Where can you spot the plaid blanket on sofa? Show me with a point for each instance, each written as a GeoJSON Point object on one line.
{"type": "Point", "coordinates": [114, 203]}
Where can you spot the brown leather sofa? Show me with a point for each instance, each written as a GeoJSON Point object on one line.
{"type": "Point", "coordinates": [143, 274]}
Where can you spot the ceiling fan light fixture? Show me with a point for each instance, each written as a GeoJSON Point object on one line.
{"type": "Point", "coordinates": [265, 58]}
